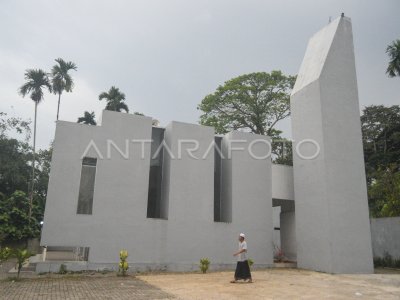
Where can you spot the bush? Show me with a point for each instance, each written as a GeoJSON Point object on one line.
{"type": "Point", "coordinates": [22, 255]}
{"type": "Point", "coordinates": [204, 264]}
{"type": "Point", "coordinates": [251, 262]}
{"type": "Point", "coordinates": [5, 254]}
{"type": "Point", "coordinates": [63, 269]}
{"type": "Point", "coordinates": [279, 256]}
{"type": "Point", "coordinates": [123, 264]}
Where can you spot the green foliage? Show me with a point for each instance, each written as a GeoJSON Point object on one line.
{"type": "Point", "coordinates": [393, 51]}
{"type": "Point", "coordinates": [14, 124]}
{"type": "Point", "coordinates": [14, 165]}
{"type": "Point", "coordinates": [15, 223]}
{"type": "Point", "coordinates": [384, 192]}
{"type": "Point", "coordinates": [62, 269]}
{"type": "Point", "coordinates": [387, 261]}
{"type": "Point", "coordinates": [61, 80]}
{"type": "Point", "coordinates": [204, 264]}
{"type": "Point", "coordinates": [282, 148]}
{"type": "Point", "coordinates": [253, 102]}
{"type": "Point", "coordinates": [5, 254]}
{"type": "Point", "coordinates": [22, 255]}
{"type": "Point", "coordinates": [115, 100]}
{"type": "Point", "coordinates": [36, 81]}
{"type": "Point", "coordinates": [251, 262]}
{"type": "Point", "coordinates": [123, 264]}
{"type": "Point", "coordinates": [15, 175]}
{"type": "Point", "coordinates": [88, 118]}
{"type": "Point", "coordinates": [381, 135]}
{"type": "Point", "coordinates": [381, 142]}
{"type": "Point", "coordinates": [42, 172]}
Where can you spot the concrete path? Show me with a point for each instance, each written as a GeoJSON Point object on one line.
{"type": "Point", "coordinates": [279, 284]}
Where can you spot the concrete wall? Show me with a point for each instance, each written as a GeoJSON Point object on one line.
{"type": "Point", "coordinates": [288, 235]}
{"type": "Point", "coordinates": [385, 234]}
{"type": "Point", "coordinates": [251, 193]}
{"type": "Point", "coordinates": [282, 182]}
{"type": "Point", "coordinates": [332, 223]}
{"type": "Point", "coordinates": [276, 215]}
{"type": "Point", "coordinates": [187, 232]}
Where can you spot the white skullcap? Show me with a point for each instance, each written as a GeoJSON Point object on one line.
{"type": "Point", "coordinates": [242, 235]}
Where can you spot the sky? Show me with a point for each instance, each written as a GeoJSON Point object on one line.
{"type": "Point", "coordinates": [167, 55]}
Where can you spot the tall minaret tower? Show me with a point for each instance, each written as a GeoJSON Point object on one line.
{"type": "Point", "coordinates": [332, 219]}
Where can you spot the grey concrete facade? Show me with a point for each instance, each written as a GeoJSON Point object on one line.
{"type": "Point", "coordinates": [385, 233]}
{"type": "Point", "coordinates": [118, 221]}
{"type": "Point", "coordinates": [332, 222]}
{"type": "Point", "coordinates": [288, 235]}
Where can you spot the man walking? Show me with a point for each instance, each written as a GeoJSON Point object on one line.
{"type": "Point", "coordinates": [242, 267]}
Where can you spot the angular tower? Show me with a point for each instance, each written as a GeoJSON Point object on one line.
{"type": "Point", "coordinates": [332, 220]}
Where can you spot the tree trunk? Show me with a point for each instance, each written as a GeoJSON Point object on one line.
{"type": "Point", "coordinates": [58, 107]}
{"type": "Point", "coordinates": [33, 164]}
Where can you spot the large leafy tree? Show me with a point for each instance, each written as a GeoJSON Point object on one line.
{"type": "Point", "coordinates": [15, 170]}
{"type": "Point", "coordinates": [115, 100]}
{"type": "Point", "coordinates": [88, 118]}
{"type": "Point", "coordinates": [253, 102]}
{"type": "Point", "coordinates": [36, 83]}
{"type": "Point", "coordinates": [61, 80]}
{"type": "Point", "coordinates": [14, 155]}
{"type": "Point", "coordinates": [381, 137]}
{"type": "Point", "coordinates": [381, 141]}
{"type": "Point", "coordinates": [393, 50]}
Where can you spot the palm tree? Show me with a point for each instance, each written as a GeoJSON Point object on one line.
{"type": "Point", "coordinates": [61, 80]}
{"type": "Point", "coordinates": [36, 81]}
{"type": "Point", "coordinates": [88, 118]}
{"type": "Point", "coordinates": [115, 100]}
{"type": "Point", "coordinates": [393, 50]}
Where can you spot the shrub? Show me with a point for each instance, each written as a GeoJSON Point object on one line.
{"type": "Point", "coordinates": [251, 262]}
{"type": "Point", "coordinates": [22, 255]}
{"type": "Point", "coordinates": [204, 264]}
{"type": "Point", "coordinates": [123, 264]}
{"type": "Point", "coordinates": [279, 256]}
{"type": "Point", "coordinates": [5, 254]}
{"type": "Point", "coordinates": [63, 269]}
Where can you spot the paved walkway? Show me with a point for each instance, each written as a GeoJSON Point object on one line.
{"type": "Point", "coordinates": [83, 287]}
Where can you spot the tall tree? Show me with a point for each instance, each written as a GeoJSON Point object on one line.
{"type": "Point", "coordinates": [381, 137]}
{"type": "Point", "coordinates": [381, 140]}
{"type": "Point", "coordinates": [88, 118]}
{"type": "Point", "coordinates": [393, 50]}
{"type": "Point", "coordinates": [253, 102]}
{"type": "Point", "coordinates": [115, 100]}
{"type": "Point", "coordinates": [61, 80]}
{"type": "Point", "coordinates": [36, 82]}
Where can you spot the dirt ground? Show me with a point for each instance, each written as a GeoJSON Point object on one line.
{"type": "Point", "coordinates": [279, 284]}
